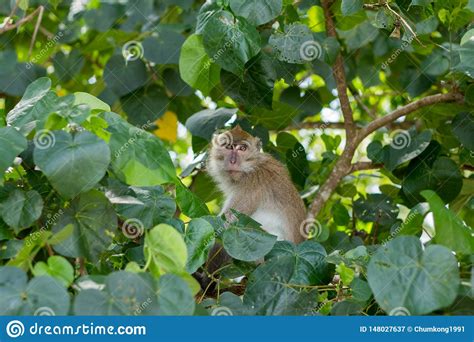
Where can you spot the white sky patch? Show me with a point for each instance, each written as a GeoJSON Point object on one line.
{"type": "Point", "coordinates": [330, 115]}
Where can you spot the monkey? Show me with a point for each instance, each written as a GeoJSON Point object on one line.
{"type": "Point", "coordinates": [256, 184]}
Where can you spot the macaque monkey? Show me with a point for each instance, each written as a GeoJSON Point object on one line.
{"type": "Point", "coordinates": [256, 184]}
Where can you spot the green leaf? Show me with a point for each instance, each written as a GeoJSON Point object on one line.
{"type": "Point", "coordinates": [360, 35]}
{"type": "Point", "coordinates": [22, 115]}
{"type": "Point", "coordinates": [73, 163]}
{"type": "Point", "coordinates": [340, 214]}
{"type": "Point", "coordinates": [295, 45]}
{"type": "Point", "coordinates": [129, 163]}
{"type": "Point", "coordinates": [360, 290]}
{"type": "Point", "coordinates": [255, 88]}
{"type": "Point", "coordinates": [166, 250]}
{"type": "Point", "coordinates": [257, 12]}
{"type": "Point", "coordinates": [404, 277]}
{"type": "Point", "coordinates": [41, 296]}
{"type": "Point", "coordinates": [21, 209]}
{"type": "Point", "coordinates": [443, 176]}
{"type": "Point", "coordinates": [349, 7]}
{"type": "Point", "coordinates": [450, 230]}
{"type": "Point", "coordinates": [346, 273]}
{"type": "Point", "coordinates": [57, 267]}
{"type": "Point", "coordinates": [230, 42]}
{"type": "Point", "coordinates": [12, 144]}
{"type": "Point", "coordinates": [308, 261]}
{"type": "Point", "coordinates": [269, 290]}
{"type": "Point", "coordinates": [145, 106]}
{"type": "Point", "coordinates": [376, 208]}
{"type": "Point", "coordinates": [189, 203]}
{"type": "Point", "coordinates": [125, 293]}
{"type": "Point", "coordinates": [93, 219]}
{"type": "Point", "coordinates": [163, 49]}
{"type": "Point", "coordinates": [123, 77]}
{"type": "Point", "coordinates": [174, 297]}
{"type": "Point", "coordinates": [246, 242]}
{"type": "Point", "coordinates": [195, 66]}
{"type": "Point", "coordinates": [149, 205]}
{"type": "Point", "coordinates": [199, 238]}
{"type": "Point", "coordinates": [67, 66]}
{"type": "Point", "coordinates": [405, 145]}
{"type": "Point", "coordinates": [466, 55]}
{"type": "Point", "coordinates": [204, 123]}
{"type": "Point", "coordinates": [463, 126]}
{"type": "Point", "coordinates": [90, 100]}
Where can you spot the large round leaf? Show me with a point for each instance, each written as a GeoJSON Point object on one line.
{"type": "Point", "coordinates": [123, 77]}
{"type": "Point", "coordinates": [23, 115]}
{"type": "Point", "coordinates": [150, 205]}
{"type": "Point", "coordinates": [41, 296]}
{"type": "Point", "coordinates": [73, 163]}
{"type": "Point", "coordinates": [443, 176]}
{"type": "Point", "coordinates": [21, 209]}
{"type": "Point", "coordinates": [174, 297]}
{"type": "Point", "coordinates": [199, 238]}
{"type": "Point", "coordinates": [163, 49]}
{"type": "Point", "coordinates": [402, 275]}
{"type": "Point", "coordinates": [257, 12]}
{"type": "Point", "coordinates": [195, 66]}
{"type": "Point", "coordinates": [269, 290]}
{"type": "Point", "coordinates": [93, 219]}
{"type": "Point", "coordinates": [129, 162]}
{"type": "Point", "coordinates": [143, 107]}
{"type": "Point", "coordinates": [230, 42]}
{"type": "Point", "coordinates": [125, 293]}
{"type": "Point", "coordinates": [291, 45]}
{"type": "Point", "coordinates": [204, 123]}
{"type": "Point", "coordinates": [308, 261]}
{"type": "Point", "coordinates": [166, 250]}
{"type": "Point", "coordinates": [247, 243]}
{"type": "Point", "coordinates": [405, 146]}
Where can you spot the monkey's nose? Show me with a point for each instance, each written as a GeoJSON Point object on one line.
{"type": "Point", "coordinates": [233, 158]}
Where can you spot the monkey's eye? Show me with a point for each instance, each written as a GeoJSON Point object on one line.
{"type": "Point", "coordinates": [242, 147]}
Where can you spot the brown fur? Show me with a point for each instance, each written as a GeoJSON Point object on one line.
{"type": "Point", "coordinates": [257, 182]}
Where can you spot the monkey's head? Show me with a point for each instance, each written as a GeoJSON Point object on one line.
{"type": "Point", "coordinates": [235, 152]}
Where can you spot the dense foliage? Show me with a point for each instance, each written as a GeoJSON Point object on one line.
{"type": "Point", "coordinates": [106, 112]}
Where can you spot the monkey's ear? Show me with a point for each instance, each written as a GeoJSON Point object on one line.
{"type": "Point", "coordinates": [258, 143]}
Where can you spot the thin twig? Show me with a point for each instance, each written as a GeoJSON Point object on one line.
{"type": "Point", "coordinates": [356, 96]}
{"type": "Point", "coordinates": [35, 32]}
{"type": "Point", "coordinates": [339, 73]}
{"type": "Point", "coordinates": [20, 22]}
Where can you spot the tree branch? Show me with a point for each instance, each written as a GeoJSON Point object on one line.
{"type": "Point", "coordinates": [9, 27]}
{"type": "Point", "coordinates": [340, 125]}
{"type": "Point", "coordinates": [338, 72]}
{"type": "Point", "coordinates": [407, 109]}
{"type": "Point", "coordinates": [363, 166]}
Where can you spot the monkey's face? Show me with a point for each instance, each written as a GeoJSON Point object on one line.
{"type": "Point", "coordinates": [236, 153]}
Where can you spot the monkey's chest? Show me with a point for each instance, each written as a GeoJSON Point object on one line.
{"type": "Point", "coordinates": [273, 222]}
